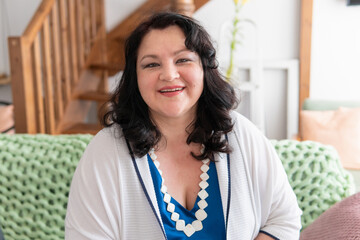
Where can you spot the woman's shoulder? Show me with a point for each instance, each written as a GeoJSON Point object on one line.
{"type": "Point", "coordinates": [110, 133]}
{"type": "Point", "coordinates": [243, 125]}
{"type": "Point", "coordinates": [247, 135]}
{"type": "Point", "coordinates": [107, 144]}
{"type": "Point", "coordinates": [107, 137]}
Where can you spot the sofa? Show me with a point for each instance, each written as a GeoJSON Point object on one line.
{"type": "Point", "coordinates": [36, 172]}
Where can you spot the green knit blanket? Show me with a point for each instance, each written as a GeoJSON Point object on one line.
{"type": "Point", "coordinates": [36, 172]}
{"type": "Point", "coordinates": [316, 176]}
{"type": "Point", "coordinates": [35, 176]}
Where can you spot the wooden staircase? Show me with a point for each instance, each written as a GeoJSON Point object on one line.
{"type": "Point", "coordinates": [60, 65]}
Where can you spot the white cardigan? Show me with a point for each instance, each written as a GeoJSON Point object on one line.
{"type": "Point", "coordinates": [107, 199]}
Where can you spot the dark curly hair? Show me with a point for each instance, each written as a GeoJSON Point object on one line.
{"type": "Point", "coordinates": [128, 109]}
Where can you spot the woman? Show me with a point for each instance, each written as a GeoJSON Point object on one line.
{"type": "Point", "coordinates": [147, 175]}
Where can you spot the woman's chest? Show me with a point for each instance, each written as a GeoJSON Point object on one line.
{"type": "Point", "coordinates": [182, 181]}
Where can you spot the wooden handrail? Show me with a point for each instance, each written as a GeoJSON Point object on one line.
{"type": "Point", "coordinates": [22, 86]}
{"type": "Point", "coordinates": [49, 58]}
{"type": "Point", "coordinates": [186, 7]}
{"type": "Point", "coordinates": [37, 21]}
{"type": "Point", "coordinates": [52, 63]}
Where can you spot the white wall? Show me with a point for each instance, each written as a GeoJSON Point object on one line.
{"type": "Point", "coordinates": [335, 62]}
{"type": "Point", "coordinates": [277, 20]}
{"type": "Point", "coordinates": [277, 24]}
{"type": "Point", "coordinates": [14, 15]}
{"type": "Point", "coordinates": [3, 46]}
{"type": "Point", "coordinates": [117, 10]}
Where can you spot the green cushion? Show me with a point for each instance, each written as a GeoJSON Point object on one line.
{"type": "Point", "coordinates": [35, 176]}
{"type": "Point", "coordinates": [1, 235]}
{"type": "Point", "coordinates": [316, 176]}
{"type": "Point", "coordinates": [321, 105]}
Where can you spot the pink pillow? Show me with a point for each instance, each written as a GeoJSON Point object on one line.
{"type": "Point", "coordinates": [341, 221]}
{"type": "Point", "coordinates": [6, 118]}
{"type": "Point", "coordinates": [340, 128]}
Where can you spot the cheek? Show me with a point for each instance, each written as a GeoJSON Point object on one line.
{"type": "Point", "coordinates": [147, 86]}
{"type": "Point", "coordinates": [198, 82]}
{"type": "Point", "coordinates": [142, 86]}
{"type": "Point", "coordinates": [195, 77]}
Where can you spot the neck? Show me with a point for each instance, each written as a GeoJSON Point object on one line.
{"type": "Point", "coordinates": [174, 131]}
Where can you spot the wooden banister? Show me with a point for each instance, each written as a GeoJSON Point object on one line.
{"type": "Point", "coordinates": [48, 59]}
{"type": "Point", "coordinates": [73, 41]}
{"type": "Point", "coordinates": [57, 64]}
{"type": "Point", "coordinates": [64, 41]}
{"type": "Point", "coordinates": [22, 85]}
{"type": "Point", "coordinates": [80, 11]}
{"type": "Point", "coordinates": [48, 78]}
{"type": "Point", "coordinates": [56, 53]}
{"type": "Point", "coordinates": [39, 98]}
{"type": "Point", "coordinates": [37, 21]}
{"type": "Point", "coordinates": [185, 7]}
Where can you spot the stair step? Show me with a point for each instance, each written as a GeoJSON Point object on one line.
{"type": "Point", "coordinates": [94, 96]}
{"type": "Point", "coordinates": [106, 66]}
{"type": "Point", "coordinates": [82, 128]}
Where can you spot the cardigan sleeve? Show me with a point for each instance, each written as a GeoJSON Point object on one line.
{"type": "Point", "coordinates": [280, 213]}
{"type": "Point", "coordinates": [92, 207]}
{"type": "Point", "coordinates": [275, 203]}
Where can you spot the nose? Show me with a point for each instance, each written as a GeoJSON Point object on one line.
{"type": "Point", "coordinates": [169, 72]}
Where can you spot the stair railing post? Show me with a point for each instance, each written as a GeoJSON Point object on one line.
{"type": "Point", "coordinates": [22, 85]}
{"type": "Point", "coordinates": [185, 7]}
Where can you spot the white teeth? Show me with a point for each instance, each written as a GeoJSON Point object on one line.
{"type": "Point", "coordinates": [171, 90]}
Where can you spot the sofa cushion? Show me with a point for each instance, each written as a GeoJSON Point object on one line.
{"type": "Point", "coordinates": [35, 177]}
{"type": "Point", "coordinates": [316, 176]}
{"type": "Point", "coordinates": [339, 128]}
{"type": "Point", "coordinates": [341, 221]}
{"type": "Point", "coordinates": [1, 234]}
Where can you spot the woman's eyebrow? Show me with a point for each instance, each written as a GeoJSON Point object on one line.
{"type": "Point", "coordinates": [182, 50]}
{"type": "Point", "coordinates": [149, 56]}
{"type": "Point", "coordinates": [153, 56]}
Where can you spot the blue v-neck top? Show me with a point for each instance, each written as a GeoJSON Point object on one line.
{"type": "Point", "coordinates": [213, 225]}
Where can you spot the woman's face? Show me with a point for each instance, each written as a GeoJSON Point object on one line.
{"type": "Point", "coordinates": [170, 76]}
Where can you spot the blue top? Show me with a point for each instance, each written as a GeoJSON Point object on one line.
{"type": "Point", "coordinates": [213, 225]}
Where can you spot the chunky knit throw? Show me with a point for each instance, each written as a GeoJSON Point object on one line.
{"type": "Point", "coordinates": [316, 176]}
{"type": "Point", "coordinates": [35, 176]}
{"type": "Point", "coordinates": [36, 172]}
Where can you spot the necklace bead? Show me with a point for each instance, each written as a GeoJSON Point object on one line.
{"type": "Point", "coordinates": [200, 214]}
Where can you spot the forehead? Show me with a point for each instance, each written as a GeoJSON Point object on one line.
{"type": "Point", "coordinates": [169, 36]}
{"type": "Point", "coordinates": [169, 30]}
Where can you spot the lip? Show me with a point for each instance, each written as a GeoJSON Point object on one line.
{"type": "Point", "coordinates": [170, 91]}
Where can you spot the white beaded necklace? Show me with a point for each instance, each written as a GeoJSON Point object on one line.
{"type": "Point", "coordinates": [200, 214]}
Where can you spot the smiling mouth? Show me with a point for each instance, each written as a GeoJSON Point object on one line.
{"type": "Point", "coordinates": [171, 90]}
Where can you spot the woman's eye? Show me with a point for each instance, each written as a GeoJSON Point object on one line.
{"type": "Point", "coordinates": [151, 65]}
{"type": "Point", "coordinates": [182, 60]}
